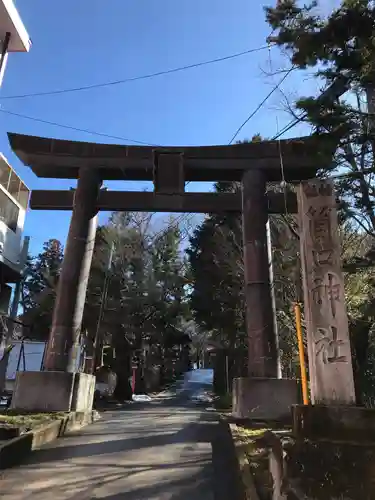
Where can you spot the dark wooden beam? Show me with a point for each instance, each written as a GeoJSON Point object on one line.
{"type": "Point", "coordinates": [169, 173]}
{"type": "Point", "coordinates": [55, 158]}
{"type": "Point", "coordinates": [134, 201]}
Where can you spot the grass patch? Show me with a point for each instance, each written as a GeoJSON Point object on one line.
{"type": "Point", "coordinates": [321, 470]}
{"type": "Point", "coordinates": [251, 434]}
{"type": "Point", "coordinates": [257, 444]}
{"type": "Point", "coordinates": [331, 470]}
{"type": "Point", "coordinates": [256, 452]}
{"type": "Point", "coordinates": [27, 420]}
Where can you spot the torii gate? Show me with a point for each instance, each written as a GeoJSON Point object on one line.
{"type": "Point", "coordinates": [169, 168]}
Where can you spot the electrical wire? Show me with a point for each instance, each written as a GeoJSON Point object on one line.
{"type": "Point", "coordinates": [137, 78]}
{"type": "Point", "coordinates": [289, 126]}
{"type": "Point", "coordinates": [92, 132]}
{"type": "Point", "coordinates": [176, 222]}
{"type": "Point", "coordinates": [292, 124]}
{"type": "Point", "coordinates": [69, 127]}
{"type": "Point", "coordinates": [337, 88]}
{"type": "Point", "coordinates": [260, 105]}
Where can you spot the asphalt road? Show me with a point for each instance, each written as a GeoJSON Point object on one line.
{"type": "Point", "coordinates": [172, 448]}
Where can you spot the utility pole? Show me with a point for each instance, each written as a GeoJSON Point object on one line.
{"type": "Point", "coordinates": [273, 297]}
{"type": "Point", "coordinates": [98, 342]}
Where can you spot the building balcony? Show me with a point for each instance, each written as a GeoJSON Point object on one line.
{"type": "Point", "coordinates": [14, 197]}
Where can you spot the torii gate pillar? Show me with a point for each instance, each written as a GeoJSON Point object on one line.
{"type": "Point", "coordinates": [262, 359]}
{"type": "Point", "coordinates": [64, 388]}
{"type": "Point", "coordinates": [61, 353]}
{"type": "Point", "coordinates": [261, 394]}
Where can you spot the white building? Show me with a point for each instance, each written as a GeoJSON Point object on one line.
{"type": "Point", "coordinates": [13, 34]}
{"type": "Point", "coordinates": [14, 195]}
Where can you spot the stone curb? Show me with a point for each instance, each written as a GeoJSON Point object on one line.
{"type": "Point", "coordinates": [243, 466]}
{"type": "Point", "coordinates": [14, 451]}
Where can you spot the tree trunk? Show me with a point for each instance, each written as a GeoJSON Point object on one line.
{"type": "Point", "coordinates": [360, 341]}
{"type": "Point", "coordinates": [121, 366]}
{"type": "Point", "coordinates": [123, 390]}
{"type": "Point", "coordinates": [219, 383]}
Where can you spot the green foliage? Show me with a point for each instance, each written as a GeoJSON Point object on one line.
{"type": "Point", "coordinates": [287, 287]}
{"type": "Point", "coordinates": [340, 50]}
{"type": "Point", "coordinates": [168, 281]}
{"type": "Point", "coordinates": [145, 297]}
{"type": "Point", "coordinates": [216, 271]}
{"type": "Point", "coordinates": [39, 288]}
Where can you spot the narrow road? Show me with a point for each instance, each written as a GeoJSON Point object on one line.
{"type": "Point", "coordinates": [170, 449]}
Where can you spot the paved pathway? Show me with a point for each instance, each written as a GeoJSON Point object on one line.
{"type": "Point", "coordinates": [170, 449]}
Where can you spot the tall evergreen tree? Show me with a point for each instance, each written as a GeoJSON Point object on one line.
{"type": "Point", "coordinates": [145, 294]}
{"type": "Point", "coordinates": [340, 50]}
{"type": "Point", "coordinates": [39, 288]}
{"type": "Point", "coordinates": [168, 284]}
{"type": "Point", "coordinates": [216, 272]}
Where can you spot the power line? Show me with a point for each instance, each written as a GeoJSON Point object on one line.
{"type": "Point", "coordinates": [337, 88]}
{"type": "Point", "coordinates": [175, 222]}
{"type": "Point", "coordinates": [137, 78]}
{"type": "Point", "coordinates": [86, 131]}
{"type": "Point", "coordinates": [260, 105]}
{"type": "Point", "coordinates": [289, 126]}
{"type": "Point", "coordinates": [92, 132]}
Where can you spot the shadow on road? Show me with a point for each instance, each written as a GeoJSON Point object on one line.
{"type": "Point", "coordinates": [190, 483]}
{"type": "Point", "coordinates": [172, 449]}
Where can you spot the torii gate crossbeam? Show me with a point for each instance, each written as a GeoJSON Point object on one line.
{"type": "Point", "coordinates": [255, 164]}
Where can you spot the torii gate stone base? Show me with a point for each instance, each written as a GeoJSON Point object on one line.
{"type": "Point", "coordinates": [59, 387]}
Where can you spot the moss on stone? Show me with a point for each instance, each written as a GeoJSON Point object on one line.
{"type": "Point", "coordinates": [27, 420]}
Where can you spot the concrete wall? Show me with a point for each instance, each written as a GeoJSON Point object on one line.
{"type": "Point", "coordinates": [43, 391]}
{"type": "Point", "coordinates": [264, 398]}
{"type": "Point", "coordinates": [83, 392]}
{"type": "Point", "coordinates": [50, 391]}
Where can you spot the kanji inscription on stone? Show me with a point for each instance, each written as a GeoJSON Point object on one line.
{"type": "Point", "coordinates": [328, 346]}
{"type": "Point", "coordinates": [330, 361]}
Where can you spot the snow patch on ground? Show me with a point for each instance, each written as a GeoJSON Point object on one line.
{"type": "Point", "coordinates": [202, 397]}
{"type": "Point", "coordinates": [141, 398]}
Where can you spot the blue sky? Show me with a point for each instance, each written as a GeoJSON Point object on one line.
{"type": "Point", "coordinates": [91, 41]}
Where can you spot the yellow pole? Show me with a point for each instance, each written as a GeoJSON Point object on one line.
{"type": "Point", "coordinates": [297, 311]}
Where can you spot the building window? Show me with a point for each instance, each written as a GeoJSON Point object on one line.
{"type": "Point", "coordinates": [9, 211]}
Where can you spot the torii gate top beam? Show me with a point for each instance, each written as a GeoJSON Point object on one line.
{"type": "Point", "coordinates": [56, 158]}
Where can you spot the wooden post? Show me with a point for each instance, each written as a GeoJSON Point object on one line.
{"type": "Point", "coordinates": [262, 360]}
{"type": "Point", "coordinates": [71, 291]}
{"type": "Point", "coordinates": [330, 362]}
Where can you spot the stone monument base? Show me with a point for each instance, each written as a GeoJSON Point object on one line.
{"type": "Point", "coordinates": [334, 422]}
{"type": "Point", "coordinates": [49, 391]}
{"type": "Point", "coordinates": [264, 398]}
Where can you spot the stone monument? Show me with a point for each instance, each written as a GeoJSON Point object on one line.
{"type": "Point", "coordinates": [333, 413]}
{"type": "Point", "coordinates": [330, 361]}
